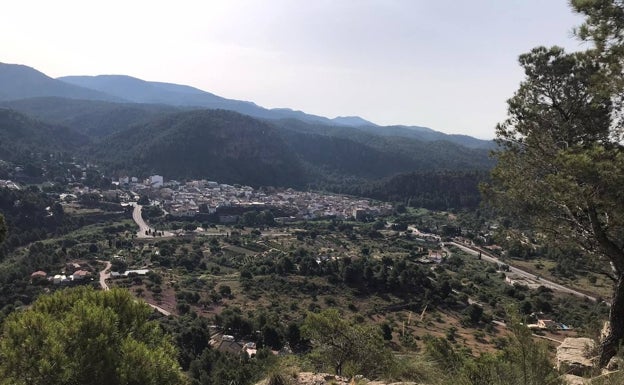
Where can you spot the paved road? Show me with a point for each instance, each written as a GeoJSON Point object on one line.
{"type": "Point", "coordinates": [515, 270]}
{"type": "Point", "coordinates": [143, 227]}
{"type": "Point", "coordinates": [104, 275]}
{"type": "Point", "coordinates": [138, 219]}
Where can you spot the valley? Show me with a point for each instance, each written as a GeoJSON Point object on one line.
{"type": "Point", "coordinates": [250, 232]}
{"type": "Point", "coordinates": [404, 271]}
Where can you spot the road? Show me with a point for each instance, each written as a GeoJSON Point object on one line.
{"type": "Point", "coordinates": [138, 219]}
{"type": "Point", "coordinates": [143, 227]}
{"type": "Point", "coordinates": [160, 310]}
{"type": "Point", "coordinates": [104, 275]}
{"type": "Point", "coordinates": [515, 270]}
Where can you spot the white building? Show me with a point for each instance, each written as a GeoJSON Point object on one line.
{"type": "Point", "coordinates": [156, 181]}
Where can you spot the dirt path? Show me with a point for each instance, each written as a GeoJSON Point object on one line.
{"type": "Point", "coordinates": [160, 309]}
{"type": "Point", "coordinates": [104, 275]}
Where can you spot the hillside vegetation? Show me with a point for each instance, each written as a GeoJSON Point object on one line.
{"type": "Point", "coordinates": [23, 138]}
{"type": "Point", "coordinates": [219, 145]}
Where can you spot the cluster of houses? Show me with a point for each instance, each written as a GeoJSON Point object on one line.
{"type": "Point", "coordinates": [228, 344]}
{"type": "Point", "coordinates": [201, 196]}
{"type": "Point", "coordinates": [153, 181]}
{"type": "Point", "coordinates": [73, 273]}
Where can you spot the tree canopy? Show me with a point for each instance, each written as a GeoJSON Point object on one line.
{"type": "Point", "coordinates": [83, 336]}
{"type": "Point", "coordinates": [345, 347]}
{"type": "Point", "coordinates": [560, 157]}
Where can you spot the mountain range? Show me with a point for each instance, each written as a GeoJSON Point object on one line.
{"type": "Point", "coordinates": [21, 82]}
{"type": "Point", "coordinates": [132, 126]}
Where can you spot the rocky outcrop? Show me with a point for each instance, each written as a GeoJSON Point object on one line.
{"type": "Point", "coordinates": [574, 355]}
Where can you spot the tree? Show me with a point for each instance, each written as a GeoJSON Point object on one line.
{"type": "Point", "coordinates": [225, 291]}
{"type": "Point", "coordinates": [386, 331]}
{"type": "Point", "coordinates": [83, 336]}
{"type": "Point", "coordinates": [522, 361]}
{"type": "Point", "coordinates": [345, 347]}
{"type": "Point", "coordinates": [143, 200]}
{"type": "Point", "coordinates": [3, 229]}
{"type": "Point", "coordinates": [189, 226]}
{"type": "Point", "coordinates": [560, 160]}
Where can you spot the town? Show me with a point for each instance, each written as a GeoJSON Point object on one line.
{"type": "Point", "coordinates": [188, 199]}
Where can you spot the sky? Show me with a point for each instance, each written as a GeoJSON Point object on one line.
{"type": "Point", "coordinates": [445, 64]}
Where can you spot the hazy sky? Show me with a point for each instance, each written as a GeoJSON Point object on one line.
{"type": "Point", "coordinates": [445, 64]}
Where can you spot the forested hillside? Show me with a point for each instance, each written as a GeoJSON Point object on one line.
{"type": "Point", "coordinates": [142, 139]}
{"type": "Point", "coordinates": [212, 144]}
{"type": "Point", "coordinates": [23, 138]}
{"type": "Point", "coordinates": [93, 118]}
{"type": "Point", "coordinates": [432, 190]}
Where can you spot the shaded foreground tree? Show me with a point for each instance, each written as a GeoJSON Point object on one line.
{"type": "Point", "coordinates": [83, 336]}
{"type": "Point", "coordinates": [560, 157]}
{"type": "Point", "coordinates": [343, 347]}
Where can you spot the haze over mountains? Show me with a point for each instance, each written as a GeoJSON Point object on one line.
{"type": "Point", "coordinates": [20, 82]}
{"type": "Point", "coordinates": [132, 126]}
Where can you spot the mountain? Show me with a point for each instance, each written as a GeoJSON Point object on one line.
{"type": "Point", "coordinates": [96, 119]}
{"type": "Point", "coordinates": [434, 190]}
{"type": "Point", "coordinates": [19, 82]}
{"type": "Point", "coordinates": [353, 121]}
{"type": "Point", "coordinates": [155, 127]}
{"type": "Point", "coordinates": [212, 144]}
{"type": "Point", "coordinates": [341, 158]}
{"type": "Point", "coordinates": [427, 134]}
{"type": "Point", "coordinates": [234, 148]}
{"type": "Point", "coordinates": [141, 91]}
{"type": "Point", "coordinates": [21, 137]}
{"type": "Point", "coordinates": [368, 134]}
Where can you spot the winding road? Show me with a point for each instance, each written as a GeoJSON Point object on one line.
{"type": "Point", "coordinates": [138, 219]}
{"type": "Point", "coordinates": [104, 275]}
{"type": "Point", "coordinates": [544, 282]}
{"type": "Point", "coordinates": [143, 226]}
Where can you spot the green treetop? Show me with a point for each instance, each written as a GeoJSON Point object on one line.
{"type": "Point", "coordinates": [83, 336]}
